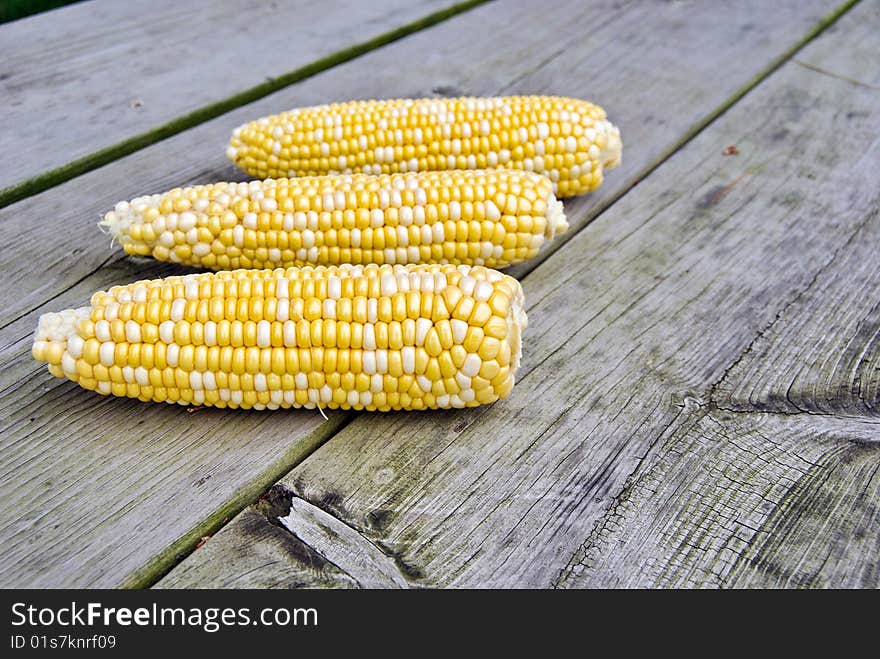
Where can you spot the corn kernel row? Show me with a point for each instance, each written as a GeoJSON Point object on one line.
{"type": "Point", "coordinates": [566, 139]}
{"type": "Point", "coordinates": [491, 218]}
{"type": "Point", "coordinates": [352, 337]}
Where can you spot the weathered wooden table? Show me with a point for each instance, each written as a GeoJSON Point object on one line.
{"type": "Point", "coordinates": [700, 389]}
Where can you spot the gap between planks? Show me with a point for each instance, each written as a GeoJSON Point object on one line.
{"type": "Point", "coordinates": [57, 175]}
{"type": "Point", "coordinates": [523, 270]}
{"type": "Point", "coordinates": [151, 572]}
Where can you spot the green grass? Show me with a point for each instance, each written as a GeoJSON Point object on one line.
{"type": "Point", "coordinates": [12, 10]}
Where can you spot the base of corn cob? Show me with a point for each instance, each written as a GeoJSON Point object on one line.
{"type": "Point", "coordinates": [490, 218]}
{"type": "Point", "coordinates": [351, 337]}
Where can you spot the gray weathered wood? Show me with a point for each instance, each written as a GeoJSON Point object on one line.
{"type": "Point", "coordinates": [310, 541]}
{"type": "Point", "coordinates": [822, 353]}
{"type": "Point", "coordinates": [632, 324]}
{"type": "Point", "coordinates": [82, 78]}
{"type": "Point", "coordinates": [342, 545]}
{"type": "Point", "coordinates": [743, 500]}
{"type": "Point", "coordinates": [261, 554]}
{"type": "Point", "coordinates": [99, 491]}
{"type": "Point", "coordinates": [144, 508]}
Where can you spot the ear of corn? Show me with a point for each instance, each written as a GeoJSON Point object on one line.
{"type": "Point", "coordinates": [566, 139]}
{"type": "Point", "coordinates": [493, 218]}
{"type": "Point", "coordinates": [374, 337]}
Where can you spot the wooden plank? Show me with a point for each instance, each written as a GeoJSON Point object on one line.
{"type": "Point", "coordinates": [817, 356]}
{"type": "Point", "coordinates": [835, 348]}
{"type": "Point", "coordinates": [743, 500]}
{"type": "Point", "coordinates": [261, 554]}
{"type": "Point", "coordinates": [632, 323]}
{"type": "Point", "coordinates": [98, 491]}
{"type": "Point", "coordinates": [86, 77]}
{"type": "Point", "coordinates": [299, 556]}
{"type": "Point", "coordinates": [142, 514]}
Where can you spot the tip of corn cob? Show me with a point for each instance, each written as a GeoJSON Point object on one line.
{"type": "Point", "coordinates": [517, 322]}
{"type": "Point", "coordinates": [120, 220]}
{"type": "Point", "coordinates": [57, 342]}
{"type": "Point", "coordinates": [556, 220]}
{"type": "Point", "coordinates": [611, 154]}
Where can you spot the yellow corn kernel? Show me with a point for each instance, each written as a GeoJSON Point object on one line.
{"type": "Point", "coordinates": [288, 338]}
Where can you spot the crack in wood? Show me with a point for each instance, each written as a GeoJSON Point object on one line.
{"type": "Point", "coordinates": [788, 305]}
{"type": "Point", "coordinates": [832, 74]}
{"type": "Point", "coordinates": [369, 563]}
{"type": "Point", "coordinates": [619, 499]}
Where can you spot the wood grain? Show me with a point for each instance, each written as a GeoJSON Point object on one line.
{"type": "Point", "coordinates": [99, 491]}
{"type": "Point", "coordinates": [310, 541]}
{"type": "Point", "coordinates": [743, 500]}
{"type": "Point", "coordinates": [632, 324]}
{"type": "Point", "coordinates": [162, 484]}
{"type": "Point", "coordinates": [86, 77]}
{"type": "Point", "coordinates": [821, 354]}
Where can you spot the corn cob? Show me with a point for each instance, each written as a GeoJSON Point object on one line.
{"type": "Point", "coordinates": [492, 218]}
{"type": "Point", "coordinates": [360, 337]}
{"type": "Point", "coordinates": [566, 139]}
